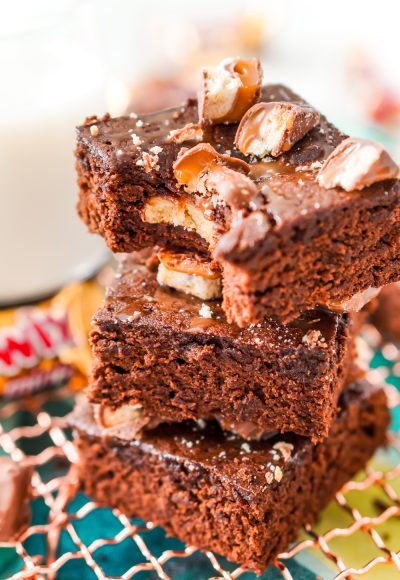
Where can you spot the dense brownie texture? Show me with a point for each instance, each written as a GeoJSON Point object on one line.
{"type": "Point", "coordinates": [152, 346]}
{"type": "Point", "coordinates": [386, 315]}
{"type": "Point", "coordinates": [245, 501]}
{"type": "Point", "coordinates": [304, 246]}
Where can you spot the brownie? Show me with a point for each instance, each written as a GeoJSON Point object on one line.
{"type": "Point", "coordinates": [178, 358]}
{"type": "Point", "coordinates": [386, 315]}
{"type": "Point", "coordinates": [300, 246]}
{"type": "Point", "coordinates": [245, 501]}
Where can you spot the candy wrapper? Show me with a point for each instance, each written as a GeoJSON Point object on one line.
{"type": "Point", "coordinates": [45, 345]}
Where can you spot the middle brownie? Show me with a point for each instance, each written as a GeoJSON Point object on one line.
{"type": "Point", "coordinates": [160, 355]}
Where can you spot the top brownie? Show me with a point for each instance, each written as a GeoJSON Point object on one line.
{"type": "Point", "coordinates": [290, 246]}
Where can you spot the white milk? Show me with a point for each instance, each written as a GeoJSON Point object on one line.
{"type": "Point", "coordinates": [48, 83]}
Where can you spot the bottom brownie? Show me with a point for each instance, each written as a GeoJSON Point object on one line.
{"type": "Point", "coordinates": [245, 501]}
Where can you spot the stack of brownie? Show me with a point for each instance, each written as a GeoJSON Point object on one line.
{"type": "Point", "coordinates": [225, 404]}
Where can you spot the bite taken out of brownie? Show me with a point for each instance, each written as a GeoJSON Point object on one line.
{"type": "Point", "coordinates": [244, 500]}
{"type": "Point", "coordinates": [296, 215]}
{"type": "Point", "coordinates": [161, 355]}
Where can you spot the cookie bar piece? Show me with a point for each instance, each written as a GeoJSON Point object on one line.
{"type": "Point", "coordinates": [177, 357]}
{"type": "Point", "coordinates": [288, 236]}
{"type": "Point", "coordinates": [245, 501]}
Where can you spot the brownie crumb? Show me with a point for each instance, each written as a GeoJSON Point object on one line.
{"type": "Point", "coordinates": [245, 447]}
{"type": "Point", "coordinates": [284, 448]}
{"type": "Point", "coordinates": [136, 140]}
{"type": "Point", "coordinates": [314, 338]}
{"type": "Point", "coordinates": [94, 130]}
{"type": "Point", "coordinates": [205, 311]}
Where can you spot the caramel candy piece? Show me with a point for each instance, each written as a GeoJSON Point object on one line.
{"type": "Point", "coordinates": [189, 264]}
{"type": "Point", "coordinates": [355, 164]}
{"type": "Point", "coordinates": [229, 90]}
{"type": "Point", "coordinates": [273, 128]}
{"type": "Point", "coordinates": [192, 163]}
{"type": "Point", "coordinates": [189, 273]}
{"type": "Point", "coordinates": [125, 422]}
{"type": "Point", "coordinates": [203, 170]}
{"type": "Point", "coordinates": [108, 417]}
{"type": "Point", "coordinates": [15, 480]}
{"type": "Point", "coordinates": [198, 286]}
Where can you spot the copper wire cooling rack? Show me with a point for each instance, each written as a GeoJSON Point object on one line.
{"type": "Point", "coordinates": [25, 423]}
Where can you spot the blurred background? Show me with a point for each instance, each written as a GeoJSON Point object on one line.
{"type": "Point", "coordinates": [61, 61]}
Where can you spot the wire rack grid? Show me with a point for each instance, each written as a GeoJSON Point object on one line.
{"type": "Point", "coordinates": [33, 430]}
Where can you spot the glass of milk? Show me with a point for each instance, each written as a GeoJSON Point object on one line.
{"type": "Point", "coordinates": [50, 80]}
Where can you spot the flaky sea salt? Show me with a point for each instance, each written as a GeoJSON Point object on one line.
{"type": "Point", "coordinates": [205, 311]}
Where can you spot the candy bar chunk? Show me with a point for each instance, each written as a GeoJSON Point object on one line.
{"type": "Point", "coordinates": [229, 89]}
{"type": "Point", "coordinates": [246, 501]}
{"type": "Point", "coordinates": [205, 171]}
{"type": "Point", "coordinates": [177, 357]}
{"type": "Point", "coordinates": [190, 274]}
{"type": "Point", "coordinates": [356, 164]}
{"type": "Point", "coordinates": [273, 128]}
{"type": "Point", "coordinates": [285, 238]}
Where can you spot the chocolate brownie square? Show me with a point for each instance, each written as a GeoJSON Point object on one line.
{"type": "Point", "coordinates": [245, 501]}
{"type": "Point", "coordinates": [161, 355]}
{"type": "Point", "coordinates": [294, 246]}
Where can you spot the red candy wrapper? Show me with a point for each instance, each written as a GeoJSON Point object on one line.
{"type": "Point", "coordinates": [45, 345]}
